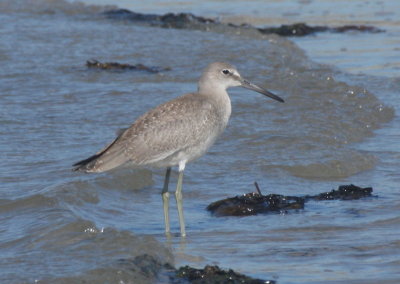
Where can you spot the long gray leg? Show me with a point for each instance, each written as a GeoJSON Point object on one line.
{"type": "Point", "coordinates": [178, 196]}
{"type": "Point", "coordinates": [165, 198]}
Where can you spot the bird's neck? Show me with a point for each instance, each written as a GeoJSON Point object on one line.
{"type": "Point", "coordinates": [220, 96]}
{"type": "Point", "coordinates": [212, 90]}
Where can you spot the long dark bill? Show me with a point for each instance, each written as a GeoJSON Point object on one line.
{"type": "Point", "coordinates": [246, 84]}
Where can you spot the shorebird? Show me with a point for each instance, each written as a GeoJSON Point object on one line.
{"type": "Point", "coordinates": [176, 132]}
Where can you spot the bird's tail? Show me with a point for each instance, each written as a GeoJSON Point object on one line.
{"type": "Point", "coordinates": [108, 158]}
{"type": "Point", "coordinates": [87, 165]}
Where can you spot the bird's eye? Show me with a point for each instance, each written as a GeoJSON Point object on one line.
{"type": "Point", "coordinates": [225, 71]}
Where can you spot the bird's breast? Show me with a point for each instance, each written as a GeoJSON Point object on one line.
{"type": "Point", "coordinates": [225, 110]}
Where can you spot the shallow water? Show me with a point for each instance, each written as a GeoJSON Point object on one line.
{"type": "Point", "coordinates": [335, 128]}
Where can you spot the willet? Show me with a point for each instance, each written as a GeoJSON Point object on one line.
{"type": "Point", "coordinates": [176, 132]}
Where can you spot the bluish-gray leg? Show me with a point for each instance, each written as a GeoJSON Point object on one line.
{"type": "Point", "coordinates": [178, 196]}
{"type": "Point", "coordinates": [165, 198]}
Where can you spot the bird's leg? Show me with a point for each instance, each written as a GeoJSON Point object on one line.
{"type": "Point", "coordinates": [165, 198]}
{"type": "Point", "coordinates": [178, 196]}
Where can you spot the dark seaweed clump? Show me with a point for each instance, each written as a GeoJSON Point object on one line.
{"type": "Point", "coordinates": [152, 268]}
{"type": "Point", "coordinates": [344, 192]}
{"type": "Point", "coordinates": [255, 203]}
{"type": "Point", "coordinates": [123, 66]}
{"type": "Point", "coordinates": [193, 22]}
{"type": "Point", "coordinates": [214, 274]}
{"type": "Point", "coordinates": [302, 29]}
